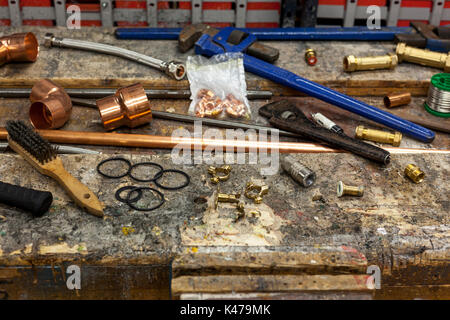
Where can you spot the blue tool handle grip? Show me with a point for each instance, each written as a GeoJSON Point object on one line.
{"type": "Point", "coordinates": [289, 79]}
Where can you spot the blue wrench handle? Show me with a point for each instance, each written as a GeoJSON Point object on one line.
{"type": "Point", "coordinates": [207, 47]}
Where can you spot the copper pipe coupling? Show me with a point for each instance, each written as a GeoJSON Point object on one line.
{"type": "Point", "coordinates": [129, 106]}
{"type": "Point", "coordinates": [50, 105]}
{"type": "Point", "coordinates": [18, 47]}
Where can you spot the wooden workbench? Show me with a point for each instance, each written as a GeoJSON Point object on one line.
{"type": "Point", "coordinates": [298, 248]}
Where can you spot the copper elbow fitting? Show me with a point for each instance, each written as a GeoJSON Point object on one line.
{"type": "Point", "coordinates": [50, 105]}
{"type": "Point", "coordinates": [129, 106]}
{"type": "Point", "coordinates": [19, 47]}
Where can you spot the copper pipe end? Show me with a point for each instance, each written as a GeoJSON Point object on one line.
{"type": "Point", "coordinates": [129, 106]}
{"type": "Point", "coordinates": [19, 47]}
{"type": "Point", "coordinates": [50, 105]}
{"type": "Point", "coordinates": [397, 99]}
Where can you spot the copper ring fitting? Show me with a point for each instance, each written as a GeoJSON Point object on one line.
{"type": "Point", "coordinates": [397, 99]}
{"type": "Point", "coordinates": [50, 105]}
{"type": "Point", "coordinates": [129, 106]}
{"type": "Point", "coordinates": [19, 47]}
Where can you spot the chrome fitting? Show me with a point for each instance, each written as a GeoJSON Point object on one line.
{"type": "Point", "coordinates": [298, 171]}
{"type": "Point", "coordinates": [343, 189]}
{"type": "Point", "coordinates": [174, 69]}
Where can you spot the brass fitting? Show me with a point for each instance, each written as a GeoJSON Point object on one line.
{"type": "Point", "coordinates": [352, 63]}
{"type": "Point", "coordinates": [423, 57]}
{"type": "Point", "coordinates": [397, 99]}
{"type": "Point", "coordinates": [310, 57]}
{"type": "Point", "coordinates": [343, 189]}
{"type": "Point", "coordinates": [19, 47]}
{"type": "Point", "coordinates": [50, 105]}
{"type": "Point", "coordinates": [214, 171]}
{"type": "Point", "coordinates": [225, 197]}
{"type": "Point", "coordinates": [414, 173]}
{"type": "Point", "coordinates": [378, 136]}
{"type": "Point", "coordinates": [261, 191]}
{"type": "Point", "coordinates": [129, 106]}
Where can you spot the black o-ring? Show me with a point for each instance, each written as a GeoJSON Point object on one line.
{"type": "Point", "coordinates": [188, 179]}
{"type": "Point", "coordinates": [114, 159]}
{"type": "Point", "coordinates": [145, 209]}
{"type": "Point", "coordinates": [157, 175]}
{"type": "Point", "coordinates": [124, 200]}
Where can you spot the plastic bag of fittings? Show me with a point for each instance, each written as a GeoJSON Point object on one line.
{"type": "Point", "coordinates": [218, 87]}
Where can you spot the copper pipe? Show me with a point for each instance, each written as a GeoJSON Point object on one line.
{"type": "Point", "coordinates": [18, 47]}
{"type": "Point", "coordinates": [129, 106]}
{"type": "Point", "coordinates": [163, 142]}
{"type": "Point", "coordinates": [397, 99]}
{"type": "Point", "coordinates": [50, 105]}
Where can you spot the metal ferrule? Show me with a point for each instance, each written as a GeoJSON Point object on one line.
{"type": "Point", "coordinates": [323, 121]}
{"type": "Point", "coordinates": [177, 70]}
{"type": "Point", "coordinates": [423, 57]}
{"type": "Point", "coordinates": [414, 173]}
{"type": "Point", "coordinates": [300, 173]}
{"type": "Point", "coordinates": [378, 136]}
{"type": "Point", "coordinates": [128, 107]}
{"type": "Point", "coordinates": [51, 106]}
{"type": "Point", "coordinates": [352, 63]}
{"type": "Point", "coordinates": [397, 99]}
{"type": "Point", "coordinates": [19, 47]}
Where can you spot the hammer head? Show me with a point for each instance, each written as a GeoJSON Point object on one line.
{"type": "Point", "coordinates": [191, 33]}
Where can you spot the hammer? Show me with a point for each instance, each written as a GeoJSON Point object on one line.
{"type": "Point", "coordinates": [191, 33]}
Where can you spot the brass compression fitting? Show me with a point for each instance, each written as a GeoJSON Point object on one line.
{"type": "Point", "coordinates": [423, 57]}
{"type": "Point", "coordinates": [378, 136]}
{"type": "Point", "coordinates": [352, 63]}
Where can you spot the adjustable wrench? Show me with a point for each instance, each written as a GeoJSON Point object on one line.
{"type": "Point", "coordinates": [211, 45]}
{"type": "Point", "coordinates": [174, 69]}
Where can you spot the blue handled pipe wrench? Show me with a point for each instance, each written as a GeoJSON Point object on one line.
{"type": "Point", "coordinates": [211, 45]}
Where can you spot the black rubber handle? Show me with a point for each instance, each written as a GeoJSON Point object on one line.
{"type": "Point", "coordinates": [35, 201]}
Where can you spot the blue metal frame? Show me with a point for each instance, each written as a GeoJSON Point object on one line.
{"type": "Point", "coordinates": [346, 34]}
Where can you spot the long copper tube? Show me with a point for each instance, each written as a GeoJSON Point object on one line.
{"type": "Point", "coordinates": [19, 47]}
{"type": "Point", "coordinates": [164, 142]}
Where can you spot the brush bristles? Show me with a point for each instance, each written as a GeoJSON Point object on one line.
{"type": "Point", "coordinates": [31, 141]}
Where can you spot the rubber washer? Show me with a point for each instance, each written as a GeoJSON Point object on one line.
{"type": "Point", "coordinates": [188, 179]}
{"type": "Point", "coordinates": [157, 175]}
{"type": "Point", "coordinates": [145, 209]}
{"type": "Point", "coordinates": [124, 200]}
{"type": "Point", "coordinates": [114, 159]}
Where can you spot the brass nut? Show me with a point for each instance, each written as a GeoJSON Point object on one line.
{"type": "Point", "coordinates": [423, 57]}
{"type": "Point", "coordinates": [397, 99]}
{"type": "Point", "coordinates": [214, 171]}
{"type": "Point", "coordinates": [225, 197]}
{"type": "Point", "coordinates": [310, 57]}
{"type": "Point", "coordinates": [378, 136]}
{"type": "Point", "coordinates": [414, 173]}
{"type": "Point", "coordinates": [261, 191]}
{"type": "Point", "coordinates": [352, 63]}
{"type": "Point", "coordinates": [343, 189]}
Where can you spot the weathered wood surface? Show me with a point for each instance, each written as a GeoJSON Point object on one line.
{"type": "Point", "coordinates": [75, 68]}
{"type": "Point", "coordinates": [401, 227]}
